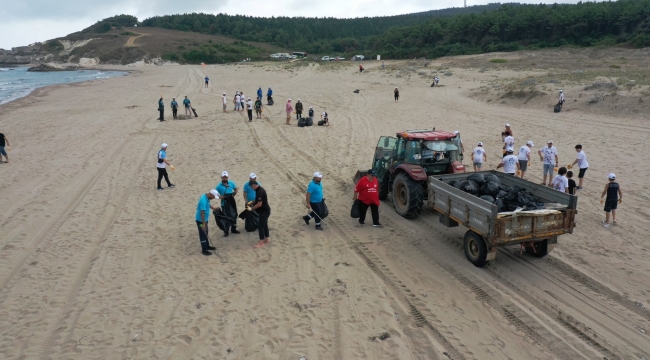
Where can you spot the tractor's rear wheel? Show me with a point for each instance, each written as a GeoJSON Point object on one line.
{"type": "Point", "coordinates": [538, 248]}
{"type": "Point", "coordinates": [408, 196]}
{"type": "Point", "coordinates": [383, 187]}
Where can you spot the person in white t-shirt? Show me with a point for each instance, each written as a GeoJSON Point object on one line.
{"type": "Point", "coordinates": [560, 182]}
{"type": "Point", "coordinates": [548, 155]}
{"type": "Point", "coordinates": [524, 157]}
{"type": "Point", "coordinates": [508, 143]}
{"type": "Point", "coordinates": [479, 155]}
{"type": "Point", "coordinates": [237, 102]}
{"type": "Point", "coordinates": [561, 97]}
{"type": "Point", "coordinates": [225, 102]}
{"type": "Point", "coordinates": [462, 147]}
{"type": "Point", "coordinates": [509, 163]}
{"type": "Point", "coordinates": [581, 160]}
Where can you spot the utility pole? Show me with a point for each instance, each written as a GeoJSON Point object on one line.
{"type": "Point", "coordinates": [465, 3]}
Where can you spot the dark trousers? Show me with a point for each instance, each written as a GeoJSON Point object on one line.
{"type": "Point", "coordinates": [374, 210]}
{"type": "Point", "coordinates": [175, 112]}
{"type": "Point", "coordinates": [203, 236]}
{"type": "Point", "coordinates": [263, 225]}
{"type": "Point", "coordinates": [162, 115]}
{"type": "Point", "coordinates": [316, 211]}
{"type": "Point", "coordinates": [250, 114]}
{"type": "Point", "coordinates": [298, 114]}
{"type": "Point", "coordinates": [161, 173]}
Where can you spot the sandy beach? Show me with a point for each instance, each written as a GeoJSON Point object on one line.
{"type": "Point", "coordinates": [97, 264]}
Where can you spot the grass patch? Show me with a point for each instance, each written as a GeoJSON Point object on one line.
{"type": "Point", "coordinates": [128, 33]}
{"type": "Point", "coordinates": [615, 66]}
{"type": "Point", "coordinates": [499, 61]}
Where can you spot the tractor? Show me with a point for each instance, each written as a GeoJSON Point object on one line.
{"type": "Point", "coordinates": [404, 162]}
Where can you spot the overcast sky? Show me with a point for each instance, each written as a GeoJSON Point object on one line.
{"type": "Point", "coordinates": [28, 21]}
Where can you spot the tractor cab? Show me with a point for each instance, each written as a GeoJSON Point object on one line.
{"type": "Point", "coordinates": [404, 162]}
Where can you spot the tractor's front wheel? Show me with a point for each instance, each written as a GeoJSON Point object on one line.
{"type": "Point", "coordinates": [408, 196]}
{"type": "Point", "coordinates": [383, 187]}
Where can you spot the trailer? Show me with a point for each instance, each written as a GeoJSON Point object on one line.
{"type": "Point", "coordinates": [536, 230]}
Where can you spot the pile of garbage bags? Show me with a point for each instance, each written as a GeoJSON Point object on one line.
{"type": "Point", "coordinates": [489, 188]}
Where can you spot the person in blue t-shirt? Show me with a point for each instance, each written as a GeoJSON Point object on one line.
{"type": "Point", "coordinates": [260, 93]}
{"type": "Point", "coordinates": [203, 210]}
{"type": "Point", "coordinates": [207, 81]}
{"type": "Point", "coordinates": [269, 96]}
{"type": "Point", "coordinates": [314, 199]}
{"type": "Point", "coordinates": [227, 190]}
{"type": "Point", "coordinates": [249, 193]}
{"type": "Point", "coordinates": [188, 106]}
{"type": "Point", "coordinates": [174, 106]}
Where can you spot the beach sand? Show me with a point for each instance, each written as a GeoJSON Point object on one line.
{"type": "Point", "coordinates": [97, 264]}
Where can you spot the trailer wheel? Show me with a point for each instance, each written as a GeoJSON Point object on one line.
{"type": "Point", "coordinates": [475, 249]}
{"type": "Point", "coordinates": [383, 188]}
{"type": "Point", "coordinates": [407, 196]}
{"type": "Point", "coordinates": [538, 249]}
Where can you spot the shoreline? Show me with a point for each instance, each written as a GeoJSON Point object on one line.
{"type": "Point", "coordinates": [36, 92]}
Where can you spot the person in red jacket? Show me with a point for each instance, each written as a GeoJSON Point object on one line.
{"type": "Point", "coordinates": [367, 194]}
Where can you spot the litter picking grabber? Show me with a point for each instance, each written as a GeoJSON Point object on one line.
{"type": "Point", "coordinates": [319, 218]}
{"type": "Point", "coordinates": [207, 237]}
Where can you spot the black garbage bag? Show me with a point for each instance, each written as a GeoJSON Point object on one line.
{"type": "Point", "coordinates": [302, 122]}
{"type": "Point", "coordinates": [492, 178]}
{"type": "Point", "coordinates": [223, 222]}
{"type": "Point", "coordinates": [324, 210]}
{"type": "Point", "coordinates": [251, 220]}
{"type": "Point", "coordinates": [229, 209]}
{"type": "Point", "coordinates": [458, 184]}
{"type": "Point", "coordinates": [470, 187]}
{"type": "Point", "coordinates": [477, 178]}
{"type": "Point", "coordinates": [557, 108]}
{"type": "Point", "coordinates": [490, 188]}
{"type": "Point", "coordinates": [487, 198]}
{"type": "Point", "coordinates": [355, 213]}
{"type": "Point", "coordinates": [500, 205]}
{"type": "Point", "coordinates": [502, 194]}
{"type": "Point", "coordinates": [309, 121]}
{"type": "Point", "coordinates": [452, 183]}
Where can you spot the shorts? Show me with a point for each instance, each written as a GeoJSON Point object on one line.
{"type": "Point", "coordinates": [478, 165]}
{"type": "Point", "coordinates": [523, 165]}
{"type": "Point", "coordinates": [611, 205]}
{"type": "Point", "coordinates": [258, 111]}
{"type": "Point", "coordinates": [224, 107]}
{"type": "Point", "coordinates": [2, 151]}
{"type": "Point", "coordinates": [548, 169]}
{"type": "Point", "coordinates": [237, 106]}
{"type": "Point", "coordinates": [581, 174]}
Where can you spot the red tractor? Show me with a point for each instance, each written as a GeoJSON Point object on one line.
{"type": "Point", "coordinates": [403, 164]}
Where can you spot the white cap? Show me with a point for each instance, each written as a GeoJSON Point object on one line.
{"type": "Point", "coordinates": [311, 107]}
{"type": "Point", "coordinates": [507, 124]}
{"type": "Point", "coordinates": [215, 193]}
{"type": "Point", "coordinates": [224, 93]}
{"type": "Point", "coordinates": [164, 145]}
{"type": "Point", "coordinates": [289, 99]}
{"type": "Point", "coordinates": [225, 173]}
{"type": "Point", "coordinates": [530, 143]}
{"type": "Point", "coordinates": [318, 174]}
{"type": "Point", "coordinates": [611, 176]}
{"type": "Point", "coordinates": [456, 132]}
{"type": "Point", "coordinates": [252, 176]}
{"type": "Point", "coordinates": [249, 98]}
{"type": "Point", "coordinates": [298, 99]}
{"type": "Point", "coordinates": [549, 142]}
{"type": "Point", "coordinates": [561, 90]}
{"type": "Point", "coordinates": [480, 143]}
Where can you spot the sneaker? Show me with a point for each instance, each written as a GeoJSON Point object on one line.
{"type": "Point", "coordinates": [361, 222]}
{"type": "Point", "coordinates": [306, 218]}
{"type": "Point", "coordinates": [318, 227]}
{"type": "Point", "coordinates": [160, 189]}
{"type": "Point", "coordinates": [172, 186]}
{"type": "Point", "coordinates": [225, 234]}
{"type": "Point", "coordinates": [206, 253]}
{"type": "Point", "coordinates": [579, 188]}
{"type": "Point", "coordinates": [615, 222]}
{"type": "Point", "coordinates": [235, 231]}
{"type": "Point", "coordinates": [605, 224]}
{"type": "Point", "coordinates": [376, 225]}
{"type": "Point", "coordinates": [212, 248]}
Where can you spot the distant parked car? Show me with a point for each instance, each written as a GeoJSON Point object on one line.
{"type": "Point", "coordinates": [338, 58]}
{"type": "Point", "coordinates": [327, 58]}
{"type": "Point", "coordinates": [293, 57]}
{"type": "Point", "coordinates": [275, 56]}
{"type": "Point", "coordinates": [357, 58]}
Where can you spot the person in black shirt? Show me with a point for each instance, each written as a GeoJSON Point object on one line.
{"type": "Point", "coordinates": [614, 197]}
{"type": "Point", "coordinates": [263, 210]}
{"type": "Point", "coordinates": [572, 183]}
{"type": "Point", "coordinates": [4, 142]}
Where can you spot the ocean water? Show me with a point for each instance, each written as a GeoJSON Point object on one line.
{"type": "Point", "coordinates": [17, 82]}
